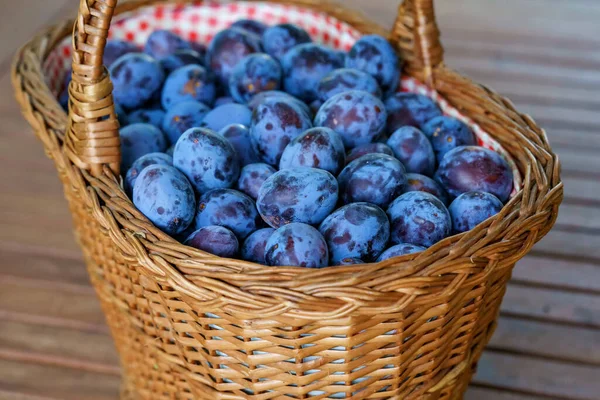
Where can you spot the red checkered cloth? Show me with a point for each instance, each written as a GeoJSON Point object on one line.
{"type": "Point", "coordinates": [199, 21]}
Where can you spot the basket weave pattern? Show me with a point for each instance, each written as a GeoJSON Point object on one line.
{"type": "Point", "coordinates": [189, 325]}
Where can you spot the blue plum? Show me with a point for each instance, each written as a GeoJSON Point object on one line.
{"type": "Point", "coordinates": [221, 101]}
{"type": "Point", "coordinates": [359, 117]}
{"type": "Point", "coordinates": [275, 122]}
{"type": "Point", "coordinates": [122, 116]}
{"type": "Point", "coordinates": [164, 195]}
{"type": "Point", "coordinates": [345, 79]}
{"type": "Point", "coordinates": [373, 178]}
{"type": "Point", "coordinates": [136, 77]}
{"type": "Point", "coordinates": [447, 133]}
{"type": "Point", "coordinates": [414, 150]}
{"type": "Point", "coordinates": [306, 195]}
{"type": "Point", "coordinates": [254, 74]}
{"type": "Point", "coordinates": [170, 151]}
{"type": "Point", "coordinates": [141, 163]}
{"type": "Point", "coordinates": [181, 117]}
{"type": "Point", "coordinates": [472, 208]}
{"type": "Point", "coordinates": [473, 168]}
{"type": "Point", "coordinates": [229, 208]}
{"type": "Point", "coordinates": [239, 137]}
{"type": "Point", "coordinates": [304, 66]}
{"type": "Point", "coordinates": [63, 97]}
{"type": "Point", "coordinates": [278, 39]}
{"type": "Point", "coordinates": [253, 176]}
{"type": "Point", "coordinates": [410, 109]}
{"type": "Point", "coordinates": [254, 246]}
{"type": "Point", "coordinates": [227, 114]}
{"type": "Point", "coordinates": [374, 55]}
{"type": "Point", "coordinates": [401, 249]}
{"type": "Point", "coordinates": [214, 240]}
{"type": "Point", "coordinates": [422, 183]}
{"type": "Point", "coordinates": [163, 43]}
{"type": "Point", "coordinates": [369, 148]}
{"type": "Point", "coordinates": [189, 83]}
{"type": "Point", "coordinates": [263, 96]}
{"type": "Point", "coordinates": [181, 58]}
{"type": "Point", "coordinates": [250, 25]}
{"type": "Point", "coordinates": [207, 159]}
{"type": "Point", "coordinates": [138, 140]}
{"type": "Point", "coordinates": [357, 230]}
{"type": "Point", "coordinates": [297, 245]}
{"type": "Point", "coordinates": [145, 116]}
{"type": "Point", "coordinates": [228, 48]}
{"type": "Point", "coordinates": [316, 148]}
{"type": "Point", "coordinates": [418, 218]}
{"type": "Point", "coordinates": [350, 261]}
{"type": "Point", "coordinates": [115, 49]}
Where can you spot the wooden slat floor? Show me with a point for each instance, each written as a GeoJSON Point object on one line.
{"type": "Point", "coordinates": [543, 54]}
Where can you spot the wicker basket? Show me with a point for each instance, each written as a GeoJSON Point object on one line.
{"type": "Point", "coordinates": [189, 325]}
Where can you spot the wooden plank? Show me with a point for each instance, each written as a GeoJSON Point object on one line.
{"type": "Point", "coordinates": [483, 393]}
{"type": "Point", "coordinates": [572, 244]}
{"type": "Point", "coordinates": [537, 376]}
{"type": "Point", "coordinates": [43, 267]}
{"type": "Point", "coordinates": [23, 378]}
{"type": "Point", "coordinates": [534, 269]}
{"type": "Point", "coordinates": [579, 216]}
{"type": "Point", "coordinates": [20, 396]}
{"type": "Point", "coordinates": [582, 190]}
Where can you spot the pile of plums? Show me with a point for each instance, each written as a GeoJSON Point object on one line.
{"type": "Point", "coordinates": [270, 148]}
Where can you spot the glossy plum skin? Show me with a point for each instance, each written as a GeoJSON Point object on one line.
{"type": "Point", "coordinates": [138, 140]}
{"type": "Point", "coordinates": [136, 77]}
{"type": "Point", "coordinates": [271, 94]}
{"type": "Point", "coordinates": [473, 168]}
{"type": "Point", "coordinates": [357, 230]}
{"type": "Point", "coordinates": [401, 249]}
{"type": "Point", "coordinates": [373, 178]}
{"type": "Point", "coordinates": [278, 39]}
{"type": "Point", "coordinates": [275, 122]}
{"type": "Point", "coordinates": [304, 66]}
{"type": "Point", "coordinates": [253, 176]}
{"type": "Point", "coordinates": [170, 151]}
{"type": "Point", "coordinates": [122, 116]}
{"type": "Point", "coordinates": [115, 49]}
{"type": "Point", "coordinates": [164, 195]}
{"type": "Point", "coordinates": [374, 55]}
{"type": "Point", "coordinates": [418, 218]}
{"type": "Point", "coordinates": [410, 109]}
{"type": "Point", "coordinates": [359, 117]}
{"type": "Point", "coordinates": [221, 101]}
{"type": "Point", "coordinates": [183, 116]}
{"type": "Point", "coordinates": [297, 245]}
{"type": "Point", "coordinates": [369, 148]}
{"type": "Point", "coordinates": [228, 48]}
{"type": "Point", "coordinates": [145, 116]}
{"type": "Point", "coordinates": [447, 133]}
{"type": "Point", "coordinates": [181, 58]}
{"type": "Point", "coordinates": [472, 208]}
{"type": "Point", "coordinates": [345, 79]}
{"type": "Point", "coordinates": [422, 183]}
{"type": "Point", "coordinates": [162, 43]}
{"type": "Point", "coordinates": [229, 208]}
{"type": "Point", "coordinates": [214, 240]}
{"type": "Point", "coordinates": [250, 25]}
{"type": "Point", "coordinates": [350, 261]}
{"type": "Point", "coordinates": [414, 150]}
{"type": "Point", "coordinates": [227, 114]}
{"type": "Point", "coordinates": [207, 159]}
{"type": "Point", "coordinates": [239, 137]}
{"type": "Point", "coordinates": [254, 246]}
{"type": "Point", "coordinates": [143, 162]}
{"type": "Point", "coordinates": [254, 74]}
{"type": "Point", "coordinates": [189, 83]}
{"type": "Point", "coordinates": [306, 195]}
{"type": "Point", "coordinates": [316, 148]}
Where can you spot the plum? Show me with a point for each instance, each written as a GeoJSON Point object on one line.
{"type": "Point", "coordinates": [136, 77]}
{"type": "Point", "coordinates": [414, 150]}
{"type": "Point", "coordinates": [422, 183]}
{"type": "Point", "coordinates": [278, 39]}
{"type": "Point", "coordinates": [350, 261]}
{"type": "Point", "coordinates": [369, 148]}
{"type": "Point", "coordinates": [163, 43]}
{"type": "Point", "coordinates": [170, 151]}
{"type": "Point", "coordinates": [227, 114]}
{"type": "Point", "coordinates": [181, 58]}
{"type": "Point", "coordinates": [254, 74]}
{"type": "Point", "coordinates": [418, 218]}
{"type": "Point", "coordinates": [357, 230]}
{"type": "Point", "coordinates": [472, 208]}
{"type": "Point", "coordinates": [145, 116]}
{"type": "Point", "coordinates": [473, 168]}
{"type": "Point", "coordinates": [207, 159]}
{"type": "Point", "coordinates": [138, 140]}
{"type": "Point", "coordinates": [263, 96]}
{"type": "Point", "coordinates": [373, 178]}
{"type": "Point", "coordinates": [253, 249]}
{"type": "Point", "coordinates": [143, 162]}
{"type": "Point", "coordinates": [122, 116]}
{"type": "Point", "coordinates": [401, 249]}
{"type": "Point", "coordinates": [189, 83]}
{"type": "Point", "coordinates": [316, 148]}
{"type": "Point", "coordinates": [410, 109]}
{"type": "Point", "coordinates": [298, 245]}
{"type": "Point", "coordinates": [306, 195]}
{"type": "Point", "coordinates": [164, 195]}
{"type": "Point", "coordinates": [253, 176]}
{"type": "Point", "coordinates": [447, 133]}
{"type": "Point", "coordinates": [114, 49]}
{"type": "Point", "coordinates": [345, 79]}
{"type": "Point", "coordinates": [221, 101]}
{"type": "Point", "coordinates": [216, 240]}
{"type": "Point", "coordinates": [239, 137]}
{"type": "Point", "coordinates": [183, 116]}
{"type": "Point", "coordinates": [251, 26]}
{"type": "Point", "coordinates": [228, 48]}
{"type": "Point", "coordinates": [359, 117]}
{"type": "Point", "coordinates": [229, 208]}
{"type": "Point", "coordinates": [374, 55]}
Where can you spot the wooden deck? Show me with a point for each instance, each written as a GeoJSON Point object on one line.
{"type": "Point", "coordinates": [543, 54]}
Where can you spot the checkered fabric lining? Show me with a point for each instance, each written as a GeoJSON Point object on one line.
{"type": "Point", "coordinates": [199, 21]}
